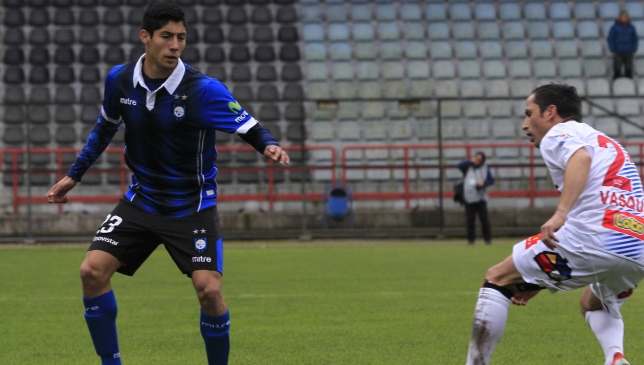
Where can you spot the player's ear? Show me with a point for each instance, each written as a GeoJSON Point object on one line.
{"type": "Point", "coordinates": [145, 36]}
{"type": "Point", "coordinates": [552, 111]}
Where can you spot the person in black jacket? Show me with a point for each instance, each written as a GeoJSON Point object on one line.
{"type": "Point", "coordinates": [623, 42]}
{"type": "Point", "coordinates": [476, 178]}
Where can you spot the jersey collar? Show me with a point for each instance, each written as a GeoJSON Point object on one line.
{"type": "Point", "coordinates": [170, 84]}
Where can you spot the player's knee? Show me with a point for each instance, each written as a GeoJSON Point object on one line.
{"type": "Point", "coordinates": [90, 274]}
{"type": "Point", "coordinates": [210, 293]}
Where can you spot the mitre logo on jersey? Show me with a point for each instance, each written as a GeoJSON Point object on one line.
{"type": "Point", "coordinates": [127, 101]}
{"type": "Point", "coordinates": [200, 244]}
{"type": "Point", "coordinates": [555, 266]}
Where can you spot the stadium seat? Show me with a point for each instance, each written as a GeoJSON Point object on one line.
{"type": "Point", "coordinates": [569, 68]}
{"type": "Point", "coordinates": [443, 70]}
{"type": "Point", "coordinates": [585, 11]}
{"type": "Point", "coordinates": [541, 50]}
{"type": "Point", "coordinates": [39, 75]}
{"type": "Point", "coordinates": [592, 49]}
{"type": "Point", "coordinates": [65, 135]}
{"type": "Point", "coordinates": [516, 50]}
{"type": "Point", "coordinates": [375, 131]}
{"type": "Point", "coordinates": [595, 68]}
{"type": "Point", "coordinates": [14, 114]}
{"type": "Point", "coordinates": [340, 51]}
{"type": "Point", "coordinates": [509, 11]}
{"type": "Point", "coordinates": [211, 16]}
{"type": "Point", "coordinates": [413, 31]}
{"type": "Point", "coordinates": [38, 17]}
{"type": "Point", "coordinates": [14, 36]}
{"type": "Point", "coordinates": [14, 75]}
{"type": "Point", "coordinates": [390, 51]}
{"type": "Point", "coordinates": [463, 31]}
{"type": "Point", "coordinates": [513, 30]}
{"type": "Point", "coordinates": [598, 87]}
{"type": "Point", "coordinates": [435, 12]}
{"type": "Point", "coordinates": [39, 114]}
{"type": "Point", "coordinates": [635, 10]}
{"type": "Point", "coordinates": [385, 13]}
{"type": "Point", "coordinates": [588, 30]}
{"type": "Point", "coordinates": [545, 69]}
{"type": "Point", "coordinates": [441, 50]}
{"type": "Point", "coordinates": [489, 31]}
{"type": "Point", "coordinates": [448, 89]}
{"type": "Point", "coordinates": [559, 11]}
{"type": "Point", "coordinates": [342, 71]}
{"type": "Point", "coordinates": [535, 11]}
{"type": "Point", "coordinates": [460, 12]}
{"type": "Point", "coordinates": [416, 70]}
{"type": "Point", "coordinates": [519, 69]}
{"type": "Point", "coordinates": [497, 88]}
{"type": "Point", "coordinates": [13, 135]}
{"type": "Point", "coordinates": [236, 15]}
{"type": "Point", "coordinates": [113, 17]}
{"type": "Point", "coordinates": [91, 95]}
{"type": "Point", "coordinates": [493, 69]}
{"type": "Point", "coordinates": [264, 54]}
{"type": "Point", "coordinates": [88, 17]}
{"type": "Point", "coordinates": [286, 15]}
{"type": "Point", "coordinates": [115, 55]}
{"type": "Point", "coordinates": [491, 50]}
{"type": "Point", "coordinates": [338, 32]}
{"type": "Point", "coordinates": [64, 16]}
{"type": "Point", "coordinates": [238, 34]}
{"type": "Point", "coordinates": [14, 56]}
{"type": "Point", "coordinates": [336, 14]}
{"type": "Point", "coordinates": [388, 31]}
{"type": "Point", "coordinates": [288, 34]}
{"type": "Point", "coordinates": [39, 37]}
{"type": "Point", "coordinates": [410, 13]}
{"type": "Point", "coordinates": [471, 88]}
{"type": "Point", "coordinates": [413, 51]}
{"type": "Point", "coordinates": [563, 30]}
{"type": "Point", "coordinates": [608, 11]}
{"type": "Point", "coordinates": [538, 30]}
{"type": "Point", "coordinates": [14, 95]}
{"type": "Point", "coordinates": [627, 107]}
{"type": "Point", "coordinates": [438, 31]}
{"type": "Point", "coordinates": [65, 114]}
{"type": "Point", "coordinates": [485, 12]}
{"type": "Point", "coordinates": [239, 54]}
{"type": "Point", "coordinates": [65, 95]}
{"type": "Point", "coordinates": [39, 95]}
{"type": "Point", "coordinates": [566, 49]}
{"type": "Point", "coordinates": [293, 92]}
{"type": "Point", "coordinates": [361, 13]}
{"type": "Point", "coordinates": [363, 32]}
{"type": "Point", "coordinates": [309, 14]}
{"type": "Point", "coordinates": [289, 53]}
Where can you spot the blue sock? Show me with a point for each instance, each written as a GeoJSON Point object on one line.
{"type": "Point", "coordinates": [100, 315]}
{"type": "Point", "coordinates": [215, 334]}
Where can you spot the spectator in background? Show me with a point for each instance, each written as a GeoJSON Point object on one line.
{"type": "Point", "coordinates": [476, 178]}
{"type": "Point", "coordinates": [623, 42]}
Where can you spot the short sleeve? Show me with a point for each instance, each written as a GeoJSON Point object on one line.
{"type": "Point", "coordinates": [110, 111]}
{"type": "Point", "coordinates": [222, 112]}
{"type": "Point", "coordinates": [559, 144]}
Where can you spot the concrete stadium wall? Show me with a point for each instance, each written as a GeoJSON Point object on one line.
{"type": "Point", "coordinates": [263, 225]}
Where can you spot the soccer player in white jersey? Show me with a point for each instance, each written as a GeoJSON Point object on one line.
{"type": "Point", "coordinates": [592, 241]}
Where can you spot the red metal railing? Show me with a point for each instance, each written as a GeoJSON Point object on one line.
{"type": "Point", "coordinates": [407, 194]}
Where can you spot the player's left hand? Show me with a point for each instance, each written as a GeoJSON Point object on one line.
{"type": "Point", "coordinates": [276, 153]}
{"type": "Point", "coordinates": [550, 227]}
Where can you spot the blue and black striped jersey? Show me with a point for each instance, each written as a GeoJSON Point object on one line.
{"type": "Point", "coordinates": [169, 136]}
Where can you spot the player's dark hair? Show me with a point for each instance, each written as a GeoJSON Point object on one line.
{"type": "Point", "coordinates": [158, 14]}
{"type": "Point", "coordinates": [563, 96]}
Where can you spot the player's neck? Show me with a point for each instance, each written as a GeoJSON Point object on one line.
{"type": "Point", "coordinates": [154, 71]}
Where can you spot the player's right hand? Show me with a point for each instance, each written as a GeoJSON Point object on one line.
{"type": "Point", "coordinates": [549, 228]}
{"type": "Point", "coordinates": [58, 192]}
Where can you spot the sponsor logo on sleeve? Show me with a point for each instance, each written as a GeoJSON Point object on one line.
{"type": "Point", "coordinates": [234, 107]}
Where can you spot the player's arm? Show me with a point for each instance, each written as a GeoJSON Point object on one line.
{"type": "Point", "coordinates": [106, 127]}
{"type": "Point", "coordinates": [263, 141]}
{"type": "Point", "coordinates": [575, 179]}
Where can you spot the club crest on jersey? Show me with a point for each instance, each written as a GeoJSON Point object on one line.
{"type": "Point", "coordinates": [555, 266]}
{"type": "Point", "coordinates": [200, 244]}
{"type": "Point", "coordinates": [179, 111]}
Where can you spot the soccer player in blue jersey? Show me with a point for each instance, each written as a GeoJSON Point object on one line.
{"type": "Point", "coordinates": [172, 113]}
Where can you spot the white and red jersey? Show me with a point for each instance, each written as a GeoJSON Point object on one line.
{"type": "Point", "coordinates": [609, 213]}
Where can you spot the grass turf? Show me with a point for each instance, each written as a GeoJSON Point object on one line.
{"type": "Point", "coordinates": [329, 302]}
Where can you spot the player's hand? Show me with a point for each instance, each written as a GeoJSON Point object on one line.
{"type": "Point", "coordinates": [58, 192]}
{"type": "Point", "coordinates": [550, 227]}
{"type": "Point", "coordinates": [522, 298]}
{"type": "Point", "coordinates": [276, 153]}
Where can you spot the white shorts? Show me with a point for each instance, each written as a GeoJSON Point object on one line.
{"type": "Point", "coordinates": [574, 265]}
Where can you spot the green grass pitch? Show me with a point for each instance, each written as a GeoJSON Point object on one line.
{"type": "Point", "coordinates": [324, 302]}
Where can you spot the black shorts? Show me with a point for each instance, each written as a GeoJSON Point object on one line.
{"type": "Point", "coordinates": [131, 235]}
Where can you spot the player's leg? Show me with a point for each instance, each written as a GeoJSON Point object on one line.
{"type": "Point", "coordinates": [485, 222]}
{"type": "Point", "coordinates": [215, 319]}
{"type": "Point", "coordinates": [100, 304]}
{"type": "Point", "coordinates": [121, 244]}
{"type": "Point", "coordinates": [491, 313]}
{"type": "Point", "coordinates": [470, 222]}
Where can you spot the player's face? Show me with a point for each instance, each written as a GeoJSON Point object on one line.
{"type": "Point", "coordinates": [535, 124]}
{"type": "Point", "coordinates": [163, 49]}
